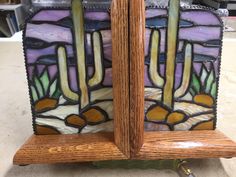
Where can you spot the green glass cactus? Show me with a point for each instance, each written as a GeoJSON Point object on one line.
{"type": "Point", "coordinates": [97, 50]}
{"type": "Point", "coordinates": [154, 60]}
{"type": "Point", "coordinates": [79, 33]}
{"type": "Point", "coordinates": [167, 84]}
{"type": "Point", "coordinates": [172, 32]}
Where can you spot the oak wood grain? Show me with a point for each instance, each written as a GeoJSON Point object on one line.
{"type": "Point", "coordinates": [136, 42]}
{"type": "Point", "coordinates": [40, 149]}
{"type": "Point", "coordinates": [186, 144]}
{"type": "Point", "coordinates": [120, 73]}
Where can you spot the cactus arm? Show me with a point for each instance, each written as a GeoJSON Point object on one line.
{"type": "Point", "coordinates": [98, 74]}
{"type": "Point", "coordinates": [187, 72]}
{"type": "Point", "coordinates": [63, 75]}
{"type": "Point", "coordinates": [173, 18]}
{"type": "Point", "coordinates": [78, 22]}
{"type": "Point", "coordinates": [153, 69]}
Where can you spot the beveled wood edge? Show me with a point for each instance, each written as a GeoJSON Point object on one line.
{"type": "Point", "coordinates": [47, 149]}
{"type": "Point", "coordinates": [120, 73]}
{"type": "Point", "coordinates": [136, 57]}
{"type": "Point", "coordinates": [186, 145]}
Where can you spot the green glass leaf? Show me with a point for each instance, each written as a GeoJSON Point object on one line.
{"type": "Point", "coordinates": [204, 74]}
{"type": "Point", "coordinates": [209, 81]}
{"type": "Point", "coordinates": [214, 89]}
{"type": "Point", "coordinates": [57, 93]}
{"type": "Point", "coordinates": [53, 88]}
{"type": "Point", "coordinates": [39, 87]}
{"type": "Point", "coordinates": [34, 93]}
{"type": "Point", "coordinates": [196, 85]}
{"type": "Point", "coordinates": [45, 81]}
{"type": "Point", "coordinates": [192, 92]}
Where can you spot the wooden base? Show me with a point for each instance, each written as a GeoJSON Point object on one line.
{"type": "Point", "coordinates": [45, 149]}
{"type": "Point", "coordinates": [100, 146]}
{"type": "Point", "coordinates": [186, 145]}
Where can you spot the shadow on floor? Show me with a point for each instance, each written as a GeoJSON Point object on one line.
{"type": "Point", "coordinates": [201, 168]}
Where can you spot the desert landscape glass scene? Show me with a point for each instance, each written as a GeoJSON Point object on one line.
{"type": "Point", "coordinates": [69, 69]}
{"type": "Point", "coordinates": [182, 63]}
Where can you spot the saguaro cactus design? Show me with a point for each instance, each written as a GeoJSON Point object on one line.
{"type": "Point", "coordinates": [62, 63]}
{"type": "Point", "coordinates": [69, 68]}
{"type": "Point", "coordinates": [78, 21]}
{"type": "Point", "coordinates": [172, 32]}
{"type": "Point", "coordinates": [71, 92]}
{"type": "Point", "coordinates": [154, 60]}
{"type": "Point", "coordinates": [97, 50]}
{"type": "Point", "coordinates": [183, 68]}
{"type": "Point", "coordinates": [172, 38]}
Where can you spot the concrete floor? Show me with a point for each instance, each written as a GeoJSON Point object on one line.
{"type": "Point", "coordinates": [15, 123]}
{"type": "Point", "coordinates": [231, 23]}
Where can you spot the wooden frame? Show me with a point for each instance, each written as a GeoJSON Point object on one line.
{"type": "Point", "coordinates": [41, 149]}
{"type": "Point", "coordinates": [136, 55]}
{"type": "Point", "coordinates": [98, 146]}
{"type": "Point", "coordinates": [120, 32]}
{"type": "Point", "coordinates": [185, 145]}
{"type": "Point", "coordinates": [129, 140]}
{"type": "Point", "coordinates": [68, 148]}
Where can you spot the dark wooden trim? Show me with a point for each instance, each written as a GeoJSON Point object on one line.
{"type": "Point", "coordinates": [120, 73]}
{"type": "Point", "coordinates": [46, 149]}
{"type": "Point", "coordinates": [186, 144]}
{"type": "Point", "coordinates": [136, 55]}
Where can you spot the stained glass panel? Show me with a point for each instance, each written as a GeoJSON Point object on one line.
{"type": "Point", "coordinates": [182, 61]}
{"type": "Point", "coordinates": [68, 61]}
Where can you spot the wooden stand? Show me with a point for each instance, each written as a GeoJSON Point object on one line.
{"type": "Point", "coordinates": [97, 147]}
{"type": "Point", "coordinates": [129, 140]}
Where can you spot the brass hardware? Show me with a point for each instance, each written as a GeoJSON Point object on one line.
{"type": "Point", "coordinates": [183, 170]}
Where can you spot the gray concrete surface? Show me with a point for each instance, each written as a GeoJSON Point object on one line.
{"type": "Point", "coordinates": [15, 124]}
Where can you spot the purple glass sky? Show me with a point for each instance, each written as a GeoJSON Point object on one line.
{"type": "Point", "coordinates": [46, 30]}
{"type": "Point", "coordinates": [206, 28]}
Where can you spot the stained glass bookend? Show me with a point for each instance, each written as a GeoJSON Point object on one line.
{"type": "Point", "coordinates": [98, 94]}
{"type": "Point", "coordinates": [68, 61]}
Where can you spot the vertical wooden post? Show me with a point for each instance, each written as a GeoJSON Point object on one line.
{"type": "Point", "coordinates": [136, 55]}
{"type": "Point", "coordinates": [120, 73]}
